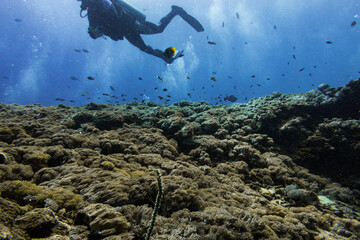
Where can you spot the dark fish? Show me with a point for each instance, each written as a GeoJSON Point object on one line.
{"type": "Point", "coordinates": [223, 24]}
{"type": "Point", "coordinates": [169, 52]}
{"type": "Point", "coordinates": [140, 78]}
{"type": "Point", "coordinates": [73, 78]}
{"type": "Point", "coordinates": [83, 94]}
{"type": "Point", "coordinates": [314, 66]}
{"type": "Point", "coordinates": [60, 99]}
{"type": "Point", "coordinates": [213, 79]}
{"type": "Point", "coordinates": [165, 89]}
{"type": "Point", "coordinates": [188, 77]}
{"type": "Point", "coordinates": [294, 47]}
{"type": "Point", "coordinates": [288, 63]}
{"type": "Point", "coordinates": [211, 42]}
{"type": "Point", "coordinates": [301, 69]}
{"type": "Point", "coordinates": [72, 101]}
{"type": "Point", "coordinates": [160, 97]}
{"type": "Point", "coordinates": [160, 78]}
{"type": "Point", "coordinates": [310, 74]}
{"type": "Point", "coordinates": [203, 87]}
{"type": "Point", "coordinates": [267, 78]}
{"type": "Point", "coordinates": [85, 50]}
{"type": "Point", "coordinates": [213, 72]}
{"type": "Point", "coordinates": [135, 98]}
{"type": "Point", "coordinates": [329, 42]}
{"type": "Point", "coordinates": [106, 94]}
{"type": "Point", "coordinates": [237, 15]}
{"type": "Point", "coordinates": [90, 78]}
{"type": "Point", "coordinates": [212, 85]}
{"type": "Point", "coordinates": [275, 27]}
{"type": "Point", "coordinates": [189, 94]}
{"type": "Point", "coordinates": [283, 75]}
{"type": "Point", "coordinates": [168, 96]}
{"type": "Point", "coordinates": [112, 88]}
{"type": "Point", "coordinates": [234, 87]}
{"type": "Point", "coordinates": [18, 20]}
{"type": "Point", "coordinates": [253, 76]}
{"type": "Point", "coordinates": [294, 57]}
{"type": "Point", "coordinates": [246, 43]}
{"type": "Point", "coordinates": [77, 50]}
{"type": "Point", "coordinates": [104, 37]}
{"type": "Point", "coordinates": [258, 85]}
{"type": "Point", "coordinates": [230, 77]}
{"type": "Point", "coordinates": [156, 88]}
{"type": "Point", "coordinates": [230, 98]}
{"type": "Point", "coordinates": [353, 23]}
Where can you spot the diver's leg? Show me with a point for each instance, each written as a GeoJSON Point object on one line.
{"type": "Point", "coordinates": [136, 40]}
{"type": "Point", "coordinates": [151, 28]}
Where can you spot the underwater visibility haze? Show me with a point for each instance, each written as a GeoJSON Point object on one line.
{"type": "Point", "coordinates": [244, 125]}
{"type": "Point", "coordinates": [248, 49]}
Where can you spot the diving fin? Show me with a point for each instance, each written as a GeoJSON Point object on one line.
{"type": "Point", "coordinates": [188, 18]}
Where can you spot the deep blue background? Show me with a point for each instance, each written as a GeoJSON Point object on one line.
{"type": "Point", "coordinates": [37, 56]}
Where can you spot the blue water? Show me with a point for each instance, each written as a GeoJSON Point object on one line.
{"type": "Point", "coordinates": [38, 39]}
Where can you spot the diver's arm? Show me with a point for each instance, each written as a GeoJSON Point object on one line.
{"type": "Point", "coordinates": [136, 40]}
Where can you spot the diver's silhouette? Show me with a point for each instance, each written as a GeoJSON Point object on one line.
{"type": "Point", "coordinates": [118, 19]}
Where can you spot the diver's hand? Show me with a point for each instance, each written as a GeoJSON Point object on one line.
{"type": "Point", "coordinates": [178, 55]}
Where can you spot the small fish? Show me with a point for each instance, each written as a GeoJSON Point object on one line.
{"type": "Point", "coordinates": [18, 20]}
{"type": "Point", "coordinates": [212, 85]}
{"type": "Point", "coordinates": [160, 78]}
{"type": "Point", "coordinates": [189, 94]}
{"type": "Point", "coordinates": [301, 69]}
{"type": "Point", "coordinates": [275, 27]}
{"type": "Point", "coordinates": [230, 98]}
{"type": "Point", "coordinates": [112, 88]}
{"type": "Point", "coordinates": [310, 74]}
{"type": "Point", "coordinates": [168, 96]}
{"type": "Point", "coordinates": [213, 79]}
{"type": "Point", "coordinates": [211, 42]}
{"type": "Point", "coordinates": [246, 43]}
{"type": "Point", "coordinates": [60, 99]}
{"type": "Point", "coordinates": [160, 97]}
{"type": "Point", "coordinates": [223, 24]}
{"type": "Point", "coordinates": [283, 75]}
{"type": "Point", "coordinates": [73, 78]}
{"type": "Point", "coordinates": [188, 77]}
{"type": "Point", "coordinates": [258, 85]}
{"type": "Point", "coordinates": [85, 50]}
{"type": "Point", "coordinates": [106, 94]}
{"type": "Point", "coordinates": [253, 76]}
{"type": "Point", "coordinates": [237, 15]}
{"type": "Point", "coordinates": [169, 52]}
{"type": "Point", "coordinates": [354, 23]}
{"type": "Point", "coordinates": [213, 72]}
{"type": "Point", "coordinates": [105, 38]}
{"type": "Point", "coordinates": [140, 78]}
{"type": "Point", "coordinates": [329, 42]}
{"type": "Point", "coordinates": [165, 89]}
{"type": "Point", "coordinates": [155, 88]}
{"type": "Point", "coordinates": [294, 57]}
{"type": "Point", "coordinates": [90, 78]}
{"type": "Point", "coordinates": [234, 87]}
{"type": "Point", "coordinates": [77, 50]}
{"type": "Point", "coordinates": [135, 98]}
{"type": "Point", "coordinates": [83, 94]}
{"type": "Point", "coordinates": [230, 77]}
{"type": "Point", "coordinates": [72, 101]}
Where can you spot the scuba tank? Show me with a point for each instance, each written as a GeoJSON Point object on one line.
{"type": "Point", "coordinates": [130, 9]}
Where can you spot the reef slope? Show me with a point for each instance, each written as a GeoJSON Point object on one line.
{"type": "Point", "coordinates": [285, 166]}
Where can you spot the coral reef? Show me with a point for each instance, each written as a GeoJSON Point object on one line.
{"type": "Point", "coordinates": [284, 166]}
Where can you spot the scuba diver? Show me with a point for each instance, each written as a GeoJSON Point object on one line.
{"type": "Point", "coordinates": [118, 19]}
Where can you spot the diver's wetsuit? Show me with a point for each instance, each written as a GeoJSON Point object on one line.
{"type": "Point", "coordinates": [109, 17]}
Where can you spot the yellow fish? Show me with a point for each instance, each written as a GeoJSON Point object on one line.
{"type": "Point", "coordinates": [169, 52]}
